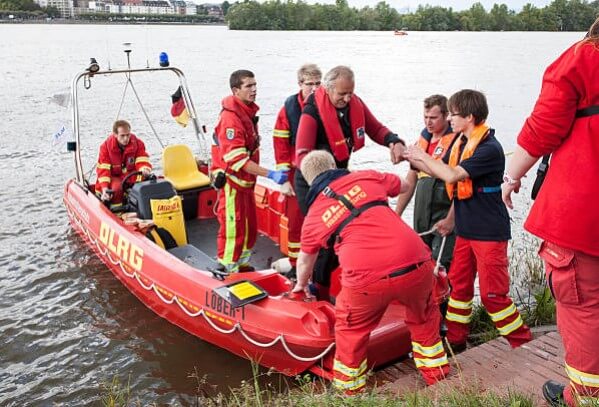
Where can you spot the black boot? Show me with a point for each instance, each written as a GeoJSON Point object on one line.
{"type": "Point", "coordinates": [554, 393]}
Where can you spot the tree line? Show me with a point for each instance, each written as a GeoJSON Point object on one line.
{"type": "Point", "coordinates": [560, 15]}
{"type": "Point", "coordinates": [26, 9]}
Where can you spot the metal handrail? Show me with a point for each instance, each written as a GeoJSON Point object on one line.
{"type": "Point", "coordinates": [199, 131]}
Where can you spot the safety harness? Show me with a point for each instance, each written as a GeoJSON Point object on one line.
{"type": "Point", "coordinates": [544, 165]}
{"type": "Point", "coordinates": [353, 212]}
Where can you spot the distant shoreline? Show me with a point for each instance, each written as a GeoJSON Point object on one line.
{"type": "Point", "coordinates": [88, 22]}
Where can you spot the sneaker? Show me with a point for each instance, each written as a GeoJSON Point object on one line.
{"type": "Point", "coordinates": [554, 393]}
{"type": "Point", "coordinates": [246, 268]}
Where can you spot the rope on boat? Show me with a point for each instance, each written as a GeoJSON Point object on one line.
{"type": "Point", "coordinates": [236, 327]}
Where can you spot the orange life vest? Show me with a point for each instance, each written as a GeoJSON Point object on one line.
{"type": "Point", "coordinates": [443, 146]}
{"type": "Point", "coordinates": [464, 187]}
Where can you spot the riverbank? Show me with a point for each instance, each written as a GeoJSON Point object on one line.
{"type": "Point", "coordinates": [120, 22]}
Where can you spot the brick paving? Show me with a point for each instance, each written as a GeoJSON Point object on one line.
{"type": "Point", "coordinates": [491, 366]}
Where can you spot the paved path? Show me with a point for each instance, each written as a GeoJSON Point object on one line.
{"type": "Point", "coordinates": [490, 366]}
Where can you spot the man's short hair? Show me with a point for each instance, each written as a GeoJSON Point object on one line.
{"type": "Point", "coordinates": [436, 100]}
{"type": "Point", "coordinates": [120, 123]}
{"type": "Point", "coordinates": [237, 77]}
{"type": "Point", "coordinates": [468, 101]}
{"type": "Point", "coordinates": [308, 70]}
{"type": "Point", "coordinates": [337, 72]}
{"type": "Point", "coordinates": [315, 163]}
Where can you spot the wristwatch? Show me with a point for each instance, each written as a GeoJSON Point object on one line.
{"type": "Point", "coordinates": [509, 180]}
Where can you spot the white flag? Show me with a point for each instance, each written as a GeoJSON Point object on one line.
{"type": "Point", "coordinates": [61, 136]}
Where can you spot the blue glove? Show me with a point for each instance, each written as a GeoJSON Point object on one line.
{"type": "Point", "coordinates": [279, 176]}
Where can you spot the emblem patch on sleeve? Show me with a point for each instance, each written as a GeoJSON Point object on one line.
{"type": "Point", "coordinates": [360, 132]}
{"type": "Point", "coordinates": [230, 134]}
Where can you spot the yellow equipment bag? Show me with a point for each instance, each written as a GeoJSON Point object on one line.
{"type": "Point", "coordinates": [168, 214]}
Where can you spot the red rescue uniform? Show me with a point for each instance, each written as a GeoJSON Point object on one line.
{"type": "Point", "coordinates": [116, 162]}
{"type": "Point", "coordinates": [371, 248]}
{"type": "Point", "coordinates": [565, 212]}
{"type": "Point", "coordinates": [284, 145]}
{"type": "Point", "coordinates": [237, 142]}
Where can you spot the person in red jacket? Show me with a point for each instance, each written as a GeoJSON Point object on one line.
{"type": "Point", "coordinates": [565, 123]}
{"type": "Point", "coordinates": [120, 154]}
{"type": "Point", "coordinates": [284, 136]}
{"type": "Point", "coordinates": [382, 260]}
{"type": "Point", "coordinates": [336, 120]}
{"type": "Point", "coordinates": [473, 181]}
{"type": "Point", "coordinates": [235, 157]}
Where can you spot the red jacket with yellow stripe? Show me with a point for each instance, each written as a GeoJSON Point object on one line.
{"type": "Point", "coordinates": [236, 141]}
{"type": "Point", "coordinates": [117, 162]}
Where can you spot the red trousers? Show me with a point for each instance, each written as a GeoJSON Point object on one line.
{"type": "Point", "coordinates": [490, 260]}
{"type": "Point", "coordinates": [295, 220]}
{"type": "Point", "coordinates": [359, 311]}
{"type": "Point", "coordinates": [237, 233]}
{"type": "Point", "coordinates": [574, 281]}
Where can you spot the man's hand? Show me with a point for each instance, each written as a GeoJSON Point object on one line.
{"type": "Point", "coordinates": [106, 195]}
{"type": "Point", "coordinates": [397, 152]}
{"type": "Point", "coordinates": [445, 226]}
{"type": "Point", "coordinates": [506, 193]}
{"type": "Point", "coordinates": [299, 287]}
{"type": "Point", "coordinates": [146, 171]}
{"type": "Point", "coordinates": [287, 189]}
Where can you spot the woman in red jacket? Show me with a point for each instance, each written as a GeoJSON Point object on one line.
{"type": "Point", "coordinates": [565, 123]}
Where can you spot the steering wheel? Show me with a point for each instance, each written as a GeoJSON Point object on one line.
{"type": "Point", "coordinates": [129, 180]}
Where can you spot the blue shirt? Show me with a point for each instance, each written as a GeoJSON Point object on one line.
{"type": "Point", "coordinates": [484, 215]}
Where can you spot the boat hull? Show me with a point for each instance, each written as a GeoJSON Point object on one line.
{"type": "Point", "coordinates": [282, 332]}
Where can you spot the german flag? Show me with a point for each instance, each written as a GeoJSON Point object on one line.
{"type": "Point", "coordinates": [178, 109]}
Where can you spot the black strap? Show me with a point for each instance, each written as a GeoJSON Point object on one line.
{"type": "Point", "coordinates": [587, 111]}
{"type": "Point", "coordinates": [354, 212]}
{"type": "Point", "coordinates": [168, 241]}
{"type": "Point", "coordinates": [541, 172]}
{"type": "Point", "coordinates": [544, 165]}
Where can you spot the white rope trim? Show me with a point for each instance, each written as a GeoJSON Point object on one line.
{"type": "Point", "coordinates": [237, 327]}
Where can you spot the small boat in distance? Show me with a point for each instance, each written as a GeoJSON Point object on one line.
{"type": "Point", "coordinates": [400, 32]}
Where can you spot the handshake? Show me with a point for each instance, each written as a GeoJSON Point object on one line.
{"type": "Point", "coordinates": [278, 176]}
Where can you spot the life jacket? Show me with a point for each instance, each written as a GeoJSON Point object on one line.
{"type": "Point", "coordinates": [443, 146]}
{"type": "Point", "coordinates": [332, 127]}
{"type": "Point", "coordinates": [293, 110]}
{"type": "Point", "coordinates": [122, 160]}
{"type": "Point", "coordinates": [464, 187]}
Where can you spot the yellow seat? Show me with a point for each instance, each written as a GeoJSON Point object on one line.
{"type": "Point", "coordinates": [180, 168]}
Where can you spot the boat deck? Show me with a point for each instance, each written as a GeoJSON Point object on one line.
{"type": "Point", "coordinates": [202, 235]}
{"type": "Point", "coordinates": [491, 366]}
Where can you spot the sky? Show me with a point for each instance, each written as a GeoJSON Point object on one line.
{"type": "Point", "coordinates": [411, 5]}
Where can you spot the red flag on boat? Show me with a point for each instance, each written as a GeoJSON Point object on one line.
{"type": "Point", "coordinates": [178, 109]}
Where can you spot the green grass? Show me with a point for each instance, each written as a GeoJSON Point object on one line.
{"type": "Point", "coordinates": [115, 394]}
{"type": "Point", "coordinates": [307, 392]}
